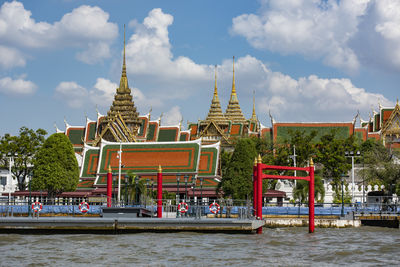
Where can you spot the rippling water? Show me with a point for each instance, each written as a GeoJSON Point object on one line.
{"type": "Point", "coordinates": [366, 246]}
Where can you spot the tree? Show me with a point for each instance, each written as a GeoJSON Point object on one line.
{"type": "Point", "coordinates": [300, 191]}
{"type": "Point", "coordinates": [380, 166]}
{"type": "Point", "coordinates": [25, 147]}
{"type": "Point", "coordinates": [237, 181]}
{"type": "Point", "coordinates": [331, 154]}
{"type": "Point", "coordinates": [55, 166]}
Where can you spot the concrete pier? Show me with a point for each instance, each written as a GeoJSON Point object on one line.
{"type": "Point", "coordinates": [50, 225]}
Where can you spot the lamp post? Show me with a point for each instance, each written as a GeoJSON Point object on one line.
{"type": "Point", "coordinates": [147, 189]}
{"type": "Point", "coordinates": [136, 190]}
{"type": "Point", "coordinates": [342, 212]}
{"type": "Point", "coordinates": [30, 197]}
{"type": "Point", "coordinates": [201, 195]}
{"type": "Point", "coordinates": [350, 154]}
{"type": "Point", "coordinates": [126, 190]}
{"type": "Point", "coordinates": [194, 188]}
{"type": "Point", "coordinates": [186, 180]}
{"type": "Point", "coordinates": [201, 190]}
{"type": "Point", "coordinates": [177, 197]}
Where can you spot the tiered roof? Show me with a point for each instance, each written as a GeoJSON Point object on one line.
{"type": "Point", "coordinates": [215, 113]}
{"type": "Point", "coordinates": [123, 103]}
{"type": "Point", "coordinates": [233, 111]}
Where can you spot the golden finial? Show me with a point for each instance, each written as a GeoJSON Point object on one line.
{"type": "Point", "coordinates": [124, 62]}
{"type": "Point", "coordinates": [255, 161]}
{"type": "Point", "coordinates": [215, 86]}
{"type": "Point", "coordinates": [159, 169]}
{"type": "Point", "coordinates": [254, 116]}
{"type": "Point", "coordinates": [259, 160]}
{"type": "Point", "coordinates": [109, 168]}
{"type": "Point", "coordinates": [311, 163]}
{"type": "Point", "coordinates": [233, 78]}
{"type": "Point", "coordinates": [123, 84]}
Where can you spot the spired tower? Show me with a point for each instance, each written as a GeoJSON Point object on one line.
{"type": "Point", "coordinates": [215, 113]}
{"type": "Point", "coordinates": [122, 114]}
{"type": "Point", "coordinates": [233, 110]}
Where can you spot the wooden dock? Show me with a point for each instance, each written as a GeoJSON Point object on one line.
{"type": "Point", "coordinates": [53, 225]}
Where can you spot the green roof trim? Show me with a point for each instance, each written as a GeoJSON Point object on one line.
{"type": "Point", "coordinates": [151, 132]}
{"type": "Point", "coordinates": [167, 135]}
{"type": "Point", "coordinates": [341, 131]}
{"type": "Point", "coordinates": [76, 135]}
{"type": "Point", "coordinates": [90, 163]}
{"type": "Point", "coordinates": [146, 157]}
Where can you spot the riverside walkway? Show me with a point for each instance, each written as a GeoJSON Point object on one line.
{"type": "Point", "coordinates": [117, 225]}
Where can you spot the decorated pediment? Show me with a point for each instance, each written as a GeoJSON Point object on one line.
{"type": "Point", "coordinates": [213, 131]}
{"type": "Point", "coordinates": [116, 131]}
{"type": "Point", "coordinates": [392, 125]}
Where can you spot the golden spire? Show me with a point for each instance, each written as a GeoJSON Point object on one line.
{"type": "Point", "coordinates": [254, 116]}
{"type": "Point", "coordinates": [215, 112]}
{"type": "Point", "coordinates": [215, 86]}
{"type": "Point", "coordinates": [233, 78]}
{"type": "Point", "coordinates": [123, 102]}
{"type": "Point", "coordinates": [123, 84]}
{"type": "Point", "coordinates": [233, 111]}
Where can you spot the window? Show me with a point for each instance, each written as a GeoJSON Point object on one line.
{"type": "Point", "coordinates": [3, 180]}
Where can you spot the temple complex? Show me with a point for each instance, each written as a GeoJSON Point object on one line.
{"type": "Point", "coordinates": [126, 141]}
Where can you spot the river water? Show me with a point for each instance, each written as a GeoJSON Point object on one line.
{"type": "Point", "coordinates": [364, 246]}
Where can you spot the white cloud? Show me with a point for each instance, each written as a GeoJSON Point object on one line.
{"type": "Point", "coordinates": [148, 51]}
{"type": "Point", "coordinates": [306, 99]}
{"type": "Point", "coordinates": [103, 92]}
{"type": "Point", "coordinates": [72, 93]}
{"type": "Point", "coordinates": [172, 117]}
{"type": "Point", "coordinates": [84, 27]}
{"type": "Point", "coordinates": [343, 34]}
{"type": "Point", "coordinates": [11, 57]}
{"type": "Point", "coordinates": [16, 87]}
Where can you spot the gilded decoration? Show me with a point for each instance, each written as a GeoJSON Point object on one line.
{"type": "Point", "coordinates": [392, 125]}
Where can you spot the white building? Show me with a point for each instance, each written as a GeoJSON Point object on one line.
{"type": "Point", "coordinates": [8, 184]}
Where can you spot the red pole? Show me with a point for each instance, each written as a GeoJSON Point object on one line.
{"type": "Point", "coordinates": [159, 192]}
{"type": "Point", "coordinates": [255, 187]}
{"type": "Point", "coordinates": [311, 225]}
{"type": "Point", "coordinates": [109, 186]}
{"type": "Point", "coordinates": [259, 192]}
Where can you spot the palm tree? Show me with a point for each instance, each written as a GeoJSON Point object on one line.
{"type": "Point", "coordinates": [300, 192]}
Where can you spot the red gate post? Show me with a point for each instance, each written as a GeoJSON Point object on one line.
{"type": "Point", "coordinates": [255, 187]}
{"type": "Point", "coordinates": [159, 192]}
{"type": "Point", "coordinates": [311, 225]}
{"type": "Point", "coordinates": [109, 186]}
{"type": "Point", "coordinates": [259, 192]}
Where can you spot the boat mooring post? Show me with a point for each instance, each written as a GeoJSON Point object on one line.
{"type": "Point", "coordinates": [109, 186]}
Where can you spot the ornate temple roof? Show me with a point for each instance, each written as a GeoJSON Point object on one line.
{"type": "Point", "coordinates": [123, 103]}
{"type": "Point", "coordinates": [215, 113]}
{"type": "Point", "coordinates": [233, 111]}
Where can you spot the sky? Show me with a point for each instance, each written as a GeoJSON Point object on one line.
{"type": "Point", "coordinates": [303, 60]}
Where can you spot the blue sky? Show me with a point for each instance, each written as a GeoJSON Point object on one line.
{"type": "Point", "coordinates": [306, 60]}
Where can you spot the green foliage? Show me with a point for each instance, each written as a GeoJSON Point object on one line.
{"type": "Point", "coordinates": [237, 180]}
{"type": "Point", "coordinates": [300, 191]}
{"type": "Point", "coordinates": [26, 145]}
{"type": "Point", "coordinates": [55, 166]}
{"type": "Point", "coordinates": [331, 154]}
{"type": "Point", "coordinates": [380, 167]}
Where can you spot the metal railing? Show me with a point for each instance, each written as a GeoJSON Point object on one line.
{"type": "Point", "coordinates": [220, 208]}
